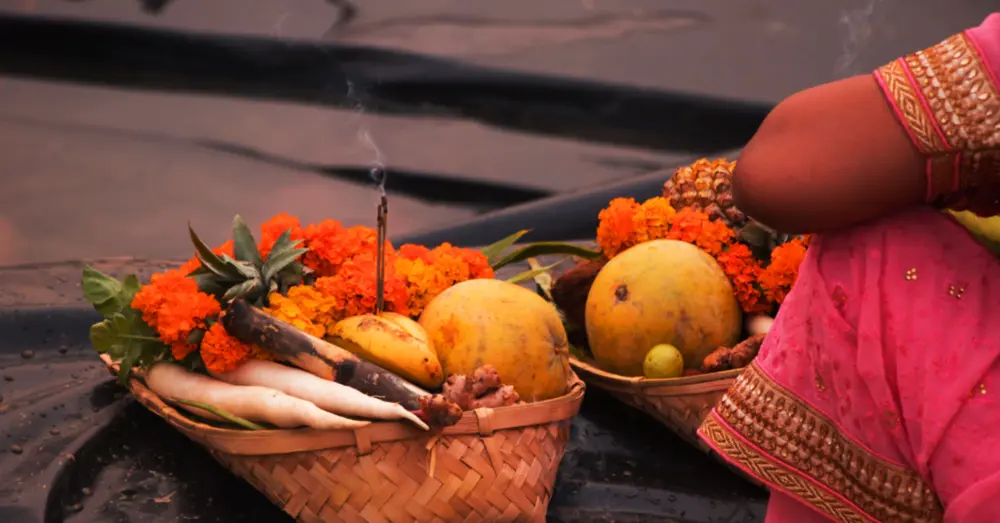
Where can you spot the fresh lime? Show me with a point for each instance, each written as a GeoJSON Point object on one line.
{"type": "Point", "coordinates": [663, 361]}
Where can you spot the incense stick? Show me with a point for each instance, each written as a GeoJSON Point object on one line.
{"type": "Point", "coordinates": [383, 218]}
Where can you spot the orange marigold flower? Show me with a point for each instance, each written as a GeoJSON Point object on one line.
{"type": "Point", "coordinates": [412, 251]}
{"type": "Point", "coordinates": [326, 251]}
{"type": "Point", "coordinates": [222, 352]}
{"type": "Point", "coordinates": [616, 230]}
{"type": "Point", "coordinates": [780, 275]}
{"type": "Point", "coordinates": [189, 266]}
{"type": "Point", "coordinates": [743, 270]}
{"type": "Point", "coordinates": [305, 308]}
{"type": "Point", "coordinates": [172, 304]}
{"type": "Point", "coordinates": [470, 263]}
{"type": "Point", "coordinates": [687, 224]}
{"type": "Point", "coordinates": [353, 288]}
{"type": "Point", "coordinates": [652, 219]}
{"type": "Point", "coordinates": [715, 237]}
{"type": "Point", "coordinates": [424, 281]}
{"type": "Point", "coordinates": [330, 245]}
{"type": "Point", "coordinates": [429, 272]}
{"type": "Point", "coordinates": [181, 350]}
{"type": "Point", "coordinates": [274, 227]}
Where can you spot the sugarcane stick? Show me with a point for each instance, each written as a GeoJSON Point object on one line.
{"type": "Point", "coordinates": [320, 357]}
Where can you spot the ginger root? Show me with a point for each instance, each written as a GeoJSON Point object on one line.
{"type": "Point", "coordinates": [438, 411]}
{"type": "Point", "coordinates": [745, 351]}
{"type": "Point", "coordinates": [725, 358]}
{"type": "Point", "coordinates": [718, 360]}
{"type": "Point", "coordinates": [483, 388]}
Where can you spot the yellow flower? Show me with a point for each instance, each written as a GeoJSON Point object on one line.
{"type": "Point", "coordinates": [305, 308]}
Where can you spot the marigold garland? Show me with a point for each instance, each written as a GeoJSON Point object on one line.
{"type": "Point", "coordinates": [616, 229]}
{"type": "Point", "coordinates": [172, 305]}
{"type": "Point", "coordinates": [428, 272]}
{"type": "Point", "coordinates": [626, 223]}
{"type": "Point", "coordinates": [780, 275]}
{"type": "Point", "coordinates": [305, 308]}
{"type": "Point", "coordinates": [342, 284]}
{"type": "Point", "coordinates": [353, 289]}
{"type": "Point", "coordinates": [223, 353]}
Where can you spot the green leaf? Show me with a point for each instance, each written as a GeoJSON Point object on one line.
{"type": "Point", "coordinates": [130, 286]}
{"type": "Point", "coordinates": [209, 260]}
{"type": "Point", "coordinates": [105, 293]}
{"type": "Point", "coordinates": [208, 283]}
{"type": "Point", "coordinates": [527, 275]}
{"type": "Point", "coordinates": [284, 242]}
{"type": "Point", "coordinates": [127, 339]}
{"type": "Point", "coordinates": [195, 337]}
{"type": "Point", "coordinates": [495, 250]}
{"type": "Point", "coordinates": [543, 280]}
{"type": "Point", "coordinates": [244, 246]}
{"type": "Point", "coordinates": [125, 367]}
{"type": "Point", "coordinates": [532, 250]}
{"type": "Point", "coordinates": [200, 270]}
{"type": "Point", "coordinates": [102, 336]}
{"type": "Point", "coordinates": [279, 260]}
{"type": "Point", "coordinates": [241, 291]}
{"type": "Point", "coordinates": [247, 424]}
{"type": "Point", "coordinates": [244, 269]}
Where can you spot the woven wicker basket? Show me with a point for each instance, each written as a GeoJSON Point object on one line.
{"type": "Point", "coordinates": [679, 403]}
{"type": "Point", "coordinates": [495, 465]}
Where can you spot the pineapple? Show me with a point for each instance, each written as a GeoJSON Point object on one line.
{"type": "Point", "coordinates": [248, 276]}
{"type": "Point", "coordinates": [706, 186]}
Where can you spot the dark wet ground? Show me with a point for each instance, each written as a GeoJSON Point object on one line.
{"type": "Point", "coordinates": [75, 449]}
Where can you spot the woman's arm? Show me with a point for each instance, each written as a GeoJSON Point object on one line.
{"type": "Point", "coordinates": [922, 128]}
{"type": "Point", "coordinates": [829, 157]}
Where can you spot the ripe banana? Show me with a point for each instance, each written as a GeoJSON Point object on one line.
{"type": "Point", "coordinates": [393, 342]}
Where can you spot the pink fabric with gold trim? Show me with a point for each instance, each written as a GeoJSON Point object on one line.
{"type": "Point", "coordinates": [876, 396]}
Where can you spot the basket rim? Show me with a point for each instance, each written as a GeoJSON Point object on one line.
{"type": "Point", "coordinates": [483, 421]}
{"type": "Point", "coordinates": [663, 386]}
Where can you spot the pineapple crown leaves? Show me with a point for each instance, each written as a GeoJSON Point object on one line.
{"type": "Point", "coordinates": [498, 254]}
{"type": "Point", "coordinates": [247, 275]}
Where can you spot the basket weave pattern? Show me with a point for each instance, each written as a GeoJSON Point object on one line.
{"type": "Point", "coordinates": [679, 403]}
{"type": "Point", "coordinates": [495, 465]}
{"type": "Point", "coordinates": [392, 483]}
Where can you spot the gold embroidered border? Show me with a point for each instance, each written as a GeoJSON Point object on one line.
{"type": "Point", "coordinates": [790, 442]}
{"type": "Point", "coordinates": [957, 86]}
{"type": "Point", "coordinates": [911, 110]}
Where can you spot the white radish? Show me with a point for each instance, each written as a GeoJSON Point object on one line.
{"type": "Point", "coordinates": [325, 394]}
{"type": "Point", "coordinates": [173, 382]}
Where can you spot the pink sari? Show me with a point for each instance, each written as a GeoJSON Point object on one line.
{"type": "Point", "coordinates": [876, 396]}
